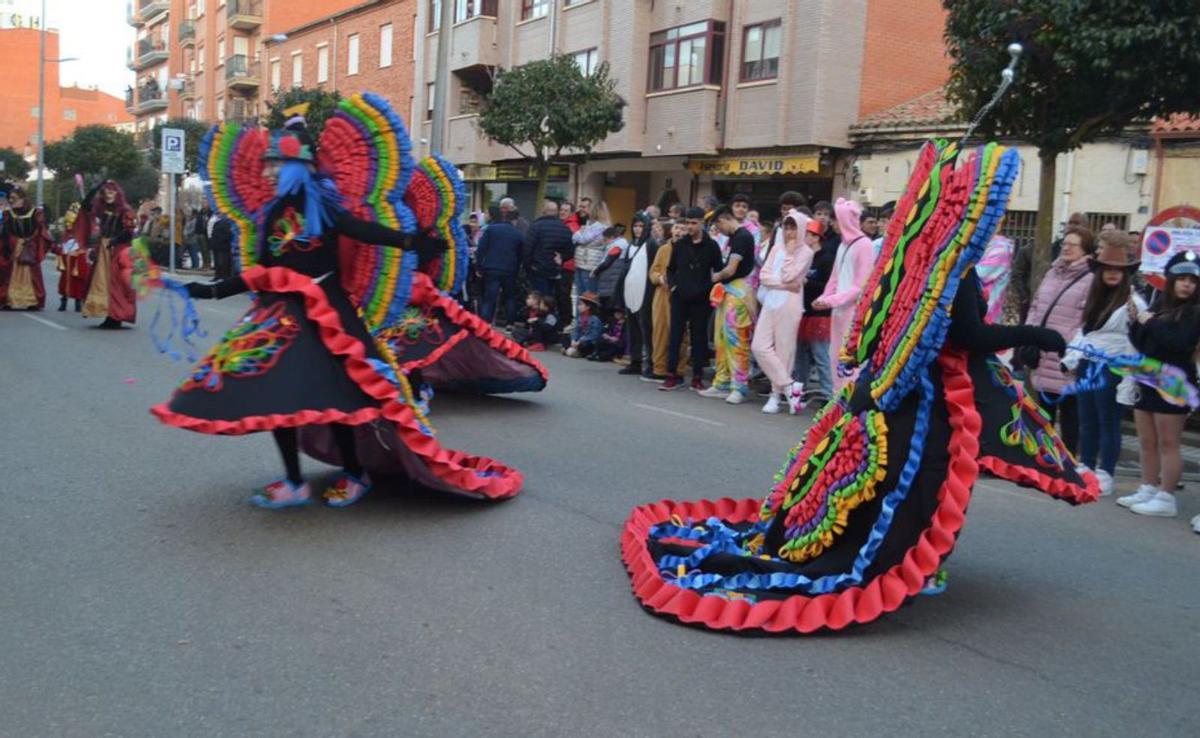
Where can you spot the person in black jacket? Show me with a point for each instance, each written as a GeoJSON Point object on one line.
{"type": "Point", "coordinates": [1171, 334]}
{"type": "Point", "coordinates": [694, 260]}
{"type": "Point", "coordinates": [548, 245]}
{"type": "Point", "coordinates": [221, 248]}
{"type": "Point", "coordinates": [498, 258]}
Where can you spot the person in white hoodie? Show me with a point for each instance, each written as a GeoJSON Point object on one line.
{"type": "Point", "coordinates": [782, 305]}
{"type": "Point", "coordinates": [1105, 330]}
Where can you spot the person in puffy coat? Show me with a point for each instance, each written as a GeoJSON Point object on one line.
{"type": "Point", "coordinates": [1058, 305]}
{"type": "Point", "coordinates": [547, 247]}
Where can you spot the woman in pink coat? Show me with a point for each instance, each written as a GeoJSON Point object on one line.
{"type": "Point", "coordinates": [782, 305]}
{"type": "Point", "coordinates": [855, 260]}
{"type": "Point", "coordinates": [1058, 305]}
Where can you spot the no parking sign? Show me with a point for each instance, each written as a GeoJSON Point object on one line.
{"type": "Point", "coordinates": [1169, 232]}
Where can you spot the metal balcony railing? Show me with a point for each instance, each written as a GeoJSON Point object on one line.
{"type": "Point", "coordinates": [245, 15]}
{"type": "Point", "coordinates": [187, 33]}
{"type": "Point", "coordinates": [241, 71]}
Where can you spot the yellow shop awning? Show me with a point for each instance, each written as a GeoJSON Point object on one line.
{"type": "Point", "coordinates": [756, 166]}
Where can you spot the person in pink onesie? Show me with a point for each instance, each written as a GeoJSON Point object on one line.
{"type": "Point", "coordinates": [781, 299]}
{"type": "Point", "coordinates": [855, 260]}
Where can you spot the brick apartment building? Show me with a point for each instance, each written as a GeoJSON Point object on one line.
{"type": "Point", "coordinates": [215, 60]}
{"type": "Point", "coordinates": [746, 95]}
{"type": "Point", "coordinates": [67, 108]}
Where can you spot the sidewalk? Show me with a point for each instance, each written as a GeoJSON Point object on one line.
{"type": "Point", "coordinates": [1129, 465]}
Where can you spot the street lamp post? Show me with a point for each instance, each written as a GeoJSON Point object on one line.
{"type": "Point", "coordinates": [41, 134]}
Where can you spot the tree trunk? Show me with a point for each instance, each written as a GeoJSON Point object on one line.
{"type": "Point", "coordinates": [1045, 222]}
{"type": "Point", "coordinates": [543, 178]}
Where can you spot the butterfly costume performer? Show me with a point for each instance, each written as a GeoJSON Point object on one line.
{"type": "Point", "coordinates": [870, 504]}
{"type": "Point", "coordinates": [349, 253]}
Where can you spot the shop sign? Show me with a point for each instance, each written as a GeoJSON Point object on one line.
{"type": "Point", "coordinates": [509, 172]}
{"type": "Point", "coordinates": [756, 166]}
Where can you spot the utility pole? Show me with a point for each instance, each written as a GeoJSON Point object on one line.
{"type": "Point", "coordinates": [41, 134]}
{"type": "Point", "coordinates": [441, 84]}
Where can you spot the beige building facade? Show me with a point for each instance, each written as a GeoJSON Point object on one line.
{"type": "Point", "coordinates": [754, 96]}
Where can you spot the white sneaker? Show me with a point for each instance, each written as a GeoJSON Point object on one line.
{"type": "Point", "coordinates": [1144, 494]}
{"type": "Point", "coordinates": [1196, 524]}
{"type": "Point", "coordinates": [1162, 505]}
{"type": "Point", "coordinates": [772, 406]}
{"type": "Point", "coordinates": [735, 398]}
{"type": "Point", "coordinates": [714, 392]}
{"type": "Point", "coordinates": [1082, 469]}
{"type": "Point", "coordinates": [1106, 482]}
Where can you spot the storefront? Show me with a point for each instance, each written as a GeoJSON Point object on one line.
{"type": "Point", "coordinates": [764, 177]}
{"type": "Point", "coordinates": [489, 183]}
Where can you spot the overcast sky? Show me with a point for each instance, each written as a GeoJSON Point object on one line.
{"type": "Point", "coordinates": [95, 31]}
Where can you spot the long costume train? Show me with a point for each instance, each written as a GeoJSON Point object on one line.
{"type": "Point", "coordinates": [326, 343]}
{"type": "Point", "coordinates": [868, 507]}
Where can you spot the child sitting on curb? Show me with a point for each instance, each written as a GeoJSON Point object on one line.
{"type": "Point", "coordinates": [588, 328]}
{"type": "Point", "coordinates": [612, 342]}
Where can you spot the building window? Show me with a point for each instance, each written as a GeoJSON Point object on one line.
{"type": "Point", "coordinates": [220, 108]}
{"type": "Point", "coordinates": [586, 61]}
{"type": "Point", "coordinates": [569, 3]}
{"type": "Point", "coordinates": [199, 8]}
{"type": "Point", "coordinates": [35, 112]}
{"type": "Point", "coordinates": [322, 63]}
{"type": "Point", "coordinates": [1021, 226]}
{"type": "Point", "coordinates": [69, 114]}
{"type": "Point", "coordinates": [276, 74]}
{"type": "Point", "coordinates": [429, 95]}
{"type": "Point", "coordinates": [435, 15]}
{"type": "Point", "coordinates": [200, 109]}
{"type": "Point", "coordinates": [220, 51]}
{"type": "Point", "coordinates": [535, 8]}
{"type": "Point", "coordinates": [352, 52]}
{"type": "Point", "coordinates": [241, 46]}
{"type": "Point", "coordinates": [385, 45]}
{"type": "Point", "coordinates": [200, 57]}
{"type": "Point", "coordinates": [1097, 221]}
{"type": "Point", "coordinates": [760, 51]}
{"type": "Point", "coordinates": [687, 56]}
{"type": "Point", "coordinates": [465, 9]}
{"type": "Point", "coordinates": [297, 69]}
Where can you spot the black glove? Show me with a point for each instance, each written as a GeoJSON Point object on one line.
{"type": "Point", "coordinates": [1051, 341]}
{"type": "Point", "coordinates": [200, 291]}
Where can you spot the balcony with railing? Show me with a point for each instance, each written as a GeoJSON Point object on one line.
{"type": "Point", "coordinates": [189, 90]}
{"type": "Point", "coordinates": [150, 51]}
{"type": "Point", "coordinates": [244, 15]}
{"type": "Point", "coordinates": [131, 16]}
{"type": "Point", "coordinates": [241, 72]}
{"type": "Point", "coordinates": [148, 98]}
{"type": "Point", "coordinates": [242, 111]}
{"type": "Point", "coordinates": [149, 10]}
{"type": "Point", "coordinates": [187, 33]}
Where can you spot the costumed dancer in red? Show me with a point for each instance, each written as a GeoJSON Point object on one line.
{"type": "Point", "coordinates": [109, 293]}
{"type": "Point", "coordinates": [25, 243]}
{"type": "Point", "coordinates": [73, 267]}
{"type": "Point", "coordinates": [309, 361]}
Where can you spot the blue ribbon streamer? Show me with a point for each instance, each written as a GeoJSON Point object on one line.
{"type": "Point", "coordinates": [183, 324]}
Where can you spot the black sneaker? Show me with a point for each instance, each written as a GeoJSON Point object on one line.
{"type": "Point", "coordinates": [630, 370]}
{"type": "Point", "coordinates": [659, 378]}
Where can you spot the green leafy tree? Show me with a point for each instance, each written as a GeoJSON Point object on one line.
{"type": "Point", "coordinates": [194, 132]}
{"type": "Point", "coordinates": [1089, 70]}
{"type": "Point", "coordinates": [15, 166]}
{"type": "Point", "coordinates": [546, 108]}
{"type": "Point", "coordinates": [97, 152]}
{"type": "Point", "coordinates": [142, 185]}
{"type": "Point", "coordinates": [321, 106]}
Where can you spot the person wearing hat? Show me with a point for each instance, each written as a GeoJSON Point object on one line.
{"type": "Point", "coordinates": [1105, 330]}
{"type": "Point", "coordinates": [588, 328]}
{"type": "Point", "coordinates": [1171, 334]}
{"type": "Point", "coordinates": [24, 239]}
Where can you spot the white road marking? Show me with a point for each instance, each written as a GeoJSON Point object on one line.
{"type": "Point", "coordinates": [685, 416]}
{"type": "Point", "coordinates": [43, 321]}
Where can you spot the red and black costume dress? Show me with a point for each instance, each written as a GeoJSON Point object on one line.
{"type": "Point", "coordinates": [109, 292]}
{"type": "Point", "coordinates": [24, 242]}
{"type": "Point", "coordinates": [301, 357]}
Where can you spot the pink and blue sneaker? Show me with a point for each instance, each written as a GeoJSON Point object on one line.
{"type": "Point", "coordinates": [345, 490]}
{"type": "Point", "coordinates": [280, 494]}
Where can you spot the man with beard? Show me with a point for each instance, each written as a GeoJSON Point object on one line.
{"type": "Point", "coordinates": [110, 295]}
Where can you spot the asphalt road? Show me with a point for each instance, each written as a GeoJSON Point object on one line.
{"type": "Point", "coordinates": [141, 595]}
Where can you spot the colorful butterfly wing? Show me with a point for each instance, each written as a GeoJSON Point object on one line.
{"type": "Point", "coordinates": [451, 199]}
{"type": "Point", "coordinates": [231, 163]}
{"type": "Point", "coordinates": [365, 148]}
{"type": "Point", "coordinates": [942, 226]}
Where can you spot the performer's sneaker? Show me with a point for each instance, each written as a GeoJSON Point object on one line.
{"type": "Point", "coordinates": [935, 584]}
{"type": "Point", "coordinates": [345, 490]}
{"type": "Point", "coordinates": [280, 494]}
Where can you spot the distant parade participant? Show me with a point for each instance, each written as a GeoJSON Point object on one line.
{"type": "Point", "coordinates": [73, 267]}
{"type": "Point", "coordinates": [109, 293]}
{"type": "Point", "coordinates": [24, 240]}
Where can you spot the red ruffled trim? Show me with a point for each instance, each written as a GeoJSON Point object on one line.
{"type": "Point", "coordinates": [424, 292]}
{"type": "Point", "coordinates": [471, 474]}
{"type": "Point", "coordinates": [259, 423]}
{"type": "Point", "coordinates": [1053, 486]}
{"type": "Point", "coordinates": [434, 356]}
{"type": "Point", "coordinates": [802, 613]}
